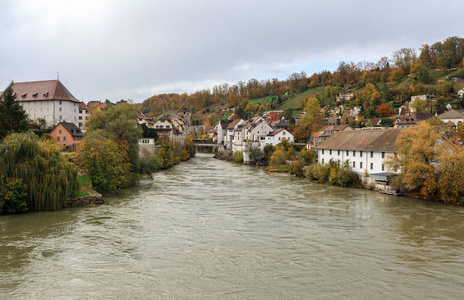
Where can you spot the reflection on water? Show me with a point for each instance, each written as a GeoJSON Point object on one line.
{"type": "Point", "coordinates": [208, 229]}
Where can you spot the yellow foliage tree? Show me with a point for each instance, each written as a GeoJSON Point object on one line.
{"type": "Point", "coordinates": [417, 155]}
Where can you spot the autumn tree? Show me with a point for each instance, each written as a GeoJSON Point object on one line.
{"type": "Point", "coordinates": [451, 176]}
{"type": "Point", "coordinates": [13, 117]}
{"type": "Point", "coordinates": [384, 110]}
{"type": "Point", "coordinates": [417, 156]}
{"type": "Point", "coordinates": [105, 162]}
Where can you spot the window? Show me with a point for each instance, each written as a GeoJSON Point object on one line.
{"type": "Point", "coordinates": [61, 117]}
{"type": "Point", "coordinates": [330, 152]}
{"type": "Point", "coordinates": [338, 153]}
{"type": "Point", "coordinates": [372, 154]}
{"type": "Point", "coordinates": [360, 165]}
{"type": "Point", "coordinates": [383, 167]}
{"type": "Point", "coordinates": [60, 102]}
{"type": "Point", "coordinates": [383, 154]}
{"type": "Point", "coordinates": [347, 153]}
{"type": "Point", "coordinates": [283, 132]}
{"type": "Point", "coordinates": [80, 111]}
{"type": "Point", "coordinates": [64, 138]}
{"type": "Point", "coordinates": [80, 117]}
{"type": "Point", "coordinates": [74, 138]}
{"type": "Point", "coordinates": [322, 151]}
{"type": "Point", "coordinates": [354, 153]}
{"type": "Point", "coordinates": [61, 108]}
{"type": "Point", "coordinates": [59, 131]}
{"type": "Point", "coordinates": [360, 154]}
{"type": "Point", "coordinates": [354, 165]}
{"type": "Point", "coordinates": [57, 138]}
{"type": "Point", "coordinates": [372, 166]}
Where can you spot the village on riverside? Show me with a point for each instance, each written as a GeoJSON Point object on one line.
{"type": "Point", "coordinates": [364, 148]}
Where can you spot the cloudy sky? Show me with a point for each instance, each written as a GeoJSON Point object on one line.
{"type": "Point", "coordinates": [121, 49]}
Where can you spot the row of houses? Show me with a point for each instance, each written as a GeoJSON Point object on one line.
{"type": "Point", "coordinates": [49, 103]}
{"type": "Point", "coordinates": [235, 134]}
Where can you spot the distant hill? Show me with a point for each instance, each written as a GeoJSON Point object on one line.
{"type": "Point", "coordinates": [435, 70]}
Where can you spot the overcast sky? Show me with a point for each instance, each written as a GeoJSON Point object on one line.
{"type": "Point", "coordinates": [120, 49]}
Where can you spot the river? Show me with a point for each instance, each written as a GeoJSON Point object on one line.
{"type": "Point", "coordinates": [208, 229]}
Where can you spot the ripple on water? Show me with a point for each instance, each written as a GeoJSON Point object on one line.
{"type": "Point", "coordinates": [207, 229]}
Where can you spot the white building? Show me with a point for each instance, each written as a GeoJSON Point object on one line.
{"type": "Point", "coordinates": [364, 150]}
{"type": "Point", "coordinates": [83, 114]}
{"type": "Point", "coordinates": [277, 136]}
{"type": "Point", "coordinates": [258, 129]}
{"type": "Point", "coordinates": [452, 116]}
{"type": "Point", "coordinates": [48, 100]}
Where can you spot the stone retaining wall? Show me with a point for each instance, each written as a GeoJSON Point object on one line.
{"type": "Point", "coordinates": [92, 200]}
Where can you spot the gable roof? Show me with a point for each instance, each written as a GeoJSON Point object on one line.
{"type": "Point", "coordinates": [414, 118]}
{"type": "Point", "coordinates": [277, 131]}
{"type": "Point", "coordinates": [72, 128]}
{"type": "Point", "coordinates": [42, 90]}
{"type": "Point", "coordinates": [451, 114]}
{"type": "Point", "coordinates": [368, 140]}
{"type": "Point", "coordinates": [224, 123]}
{"type": "Point", "coordinates": [234, 123]}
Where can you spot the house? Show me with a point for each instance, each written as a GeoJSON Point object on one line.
{"type": "Point", "coordinates": [186, 115]}
{"type": "Point", "coordinates": [258, 129]}
{"type": "Point", "coordinates": [274, 115]}
{"type": "Point", "coordinates": [229, 133]}
{"type": "Point", "coordinates": [67, 135]}
{"type": "Point", "coordinates": [277, 136]}
{"type": "Point", "coordinates": [143, 119]}
{"type": "Point", "coordinates": [280, 124]}
{"type": "Point", "coordinates": [327, 131]}
{"type": "Point", "coordinates": [83, 114]}
{"type": "Point", "coordinates": [452, 116]}
{"type": "Point", "coordinates": [47, 100]}
{"type": "Point", "coordinates": [221, 130]}
{"type": "Point", "coordinates": [147, 147]}
{"type": "Point", "coordinates": [411, 120]}
{"type": "Point", "coordinates": [163, 127]}
{"type": "Point", "coordinates": [345, 97]}
{"type": "Point", "coordinates": [373, 122]}
{"type": "Point", "coordinates": [363, 150]}
{"type": "Point", "coordinates": [461, 93]}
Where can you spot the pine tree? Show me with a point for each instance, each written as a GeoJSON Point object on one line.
{"type": "Point", "coordinates": [13, 118]}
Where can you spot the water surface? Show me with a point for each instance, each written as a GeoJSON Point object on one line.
{"type": "Point", "coordinates": [208, 229]}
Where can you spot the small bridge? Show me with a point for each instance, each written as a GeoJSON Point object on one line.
{"type": "Point", "coordinates": [204, 143]}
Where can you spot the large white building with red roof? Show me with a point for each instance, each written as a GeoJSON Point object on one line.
{"type": "Point", "coordinates": [49, 100]}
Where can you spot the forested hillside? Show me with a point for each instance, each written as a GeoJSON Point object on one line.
{"type": "Point", "coordinates": [391, 80]}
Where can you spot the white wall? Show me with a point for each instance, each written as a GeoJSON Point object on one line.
{"type": "Point", "coordinates": [376, 160]}
{"type": "Point", "coordinates": [52, 110]}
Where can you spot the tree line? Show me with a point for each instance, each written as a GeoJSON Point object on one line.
{"type": "Point", "coordinates": [384, 74]}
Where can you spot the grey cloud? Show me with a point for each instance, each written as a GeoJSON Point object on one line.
{"type": "Point", "coordinates": [128, 49]}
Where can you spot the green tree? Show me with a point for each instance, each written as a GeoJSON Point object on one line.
{"type": "Point", "coordinates": [15, 196]}
{"type": "Point", "coordinates": [212, 119]}
{"type": "Point", "coordinates": [255, 154]}
{"type": "Point", "coordinates": [119, 123]}
{"type": "Point", "coordinates": [13, 117]}
{"type": "Point", "coordinates": [50, 179]}
{"type": "Point", "coordinates": [312, 109]}
{"type": "Point", "coordinates": [106, 163]}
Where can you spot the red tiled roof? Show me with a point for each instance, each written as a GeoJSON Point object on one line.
{"type": "Point", "coordinates": [42, 90]}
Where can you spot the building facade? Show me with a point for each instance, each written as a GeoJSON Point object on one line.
{"type": "Point", "coordinates": [47, 100]}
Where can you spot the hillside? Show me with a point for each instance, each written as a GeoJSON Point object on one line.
{"type": "Point", "coordinates": [437, 71]}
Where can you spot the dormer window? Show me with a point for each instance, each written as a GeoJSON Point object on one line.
{"type": "Point", "coordinates": [35, 94]}
{"type": "Point", "coordinates": [23, 95]}
{"type": "Point", "coordinates": [45, 94]}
